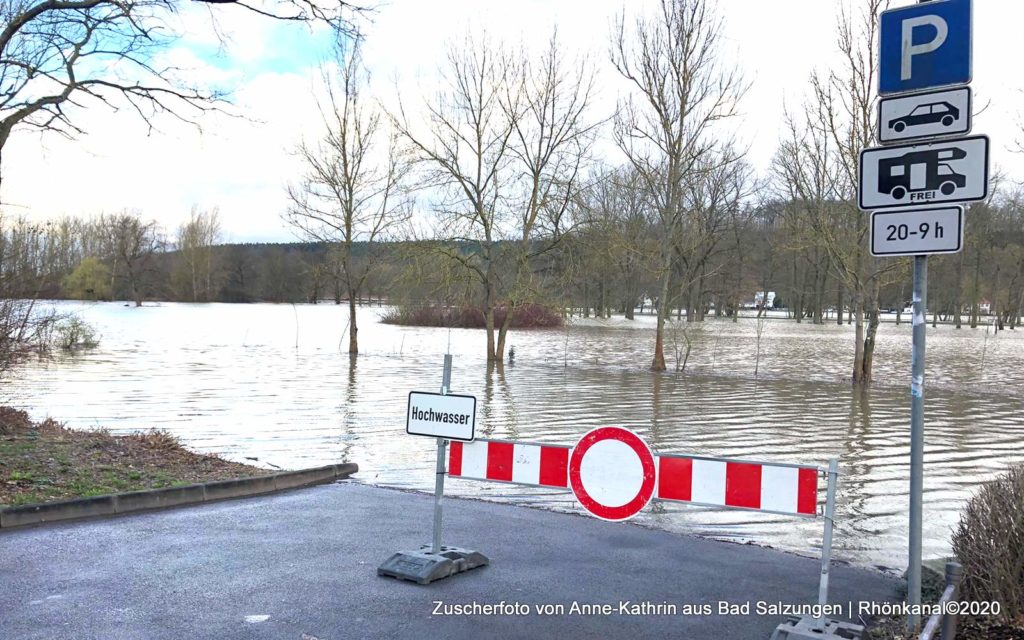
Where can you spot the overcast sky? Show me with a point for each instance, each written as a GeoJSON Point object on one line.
{"type": "Point", "coordinates": [241, 165]}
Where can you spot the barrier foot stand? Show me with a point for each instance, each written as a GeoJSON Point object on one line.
{"type": "Point", "coordinates": [424, 566]}
{"type": "Point", "coordinates": [808, 627]}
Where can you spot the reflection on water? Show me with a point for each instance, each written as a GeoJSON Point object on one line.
{"type": "Point", "coordinates": [270, 382]}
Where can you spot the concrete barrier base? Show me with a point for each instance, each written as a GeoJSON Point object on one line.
{"type": "Point", "coordinates": [424, 566]}
{"type": "Point", "coordinates": [807, 627]}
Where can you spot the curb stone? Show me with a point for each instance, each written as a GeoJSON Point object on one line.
{"type": "Point", "coordinates": [150, 499]}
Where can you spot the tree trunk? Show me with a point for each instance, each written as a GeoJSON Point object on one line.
{"type": "Point", "coordinates": [489, 325]}
{"type": "Point", "coordinates": [819, 293]}
{"type": "Point", "coordinates": [976, 293]}
{"type": "Point", "coordinates": [697, 301]}
{"type": "Point", "coordinates": [797, 300]}
{"type": "Point", "coordinates": [994, 309]}
{"type": "Point", "coordinates": [658, 364]}
{"type": "Point", "coordinates": [958, 302]}
{"type": "Point", "coordinates": [858, 356]}
{"type": "Point", "coordinates": [353, 328]}
{"type": "Point", "coordinates": [499, 352]}
{"type": "Point", "coordinates": [135, 289]}
{"type": "Point", "coordinates": [839, 304]}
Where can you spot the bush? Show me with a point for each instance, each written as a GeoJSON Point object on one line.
{"type": "Point", "coordinates": [89, 281]}
{"type": "Point", "coordinates": [989, 543]}
{"type": "Point", "coordinates": [528, 316]}
{"type": "Point", "coordinates": [71, 334]}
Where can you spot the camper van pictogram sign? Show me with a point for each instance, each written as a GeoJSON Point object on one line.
{"type": "Point", "coordinates": [925, 174]}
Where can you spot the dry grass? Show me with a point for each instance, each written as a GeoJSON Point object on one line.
{"type": "Point", "coordinates": [45, 462]}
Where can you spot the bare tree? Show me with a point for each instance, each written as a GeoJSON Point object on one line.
{"type": "Point", "coordinates": [818, 163]}
{"type": "Point", "coordinates": [196, 240]}
{"type": "Point", "coordinates": [57, 56]}
{"type": "Point", "coordinates": [712, 204]}
{"type": "Point", "coordinates": [618, 236]}
{"type": "Point", "coordinates": [505, 148]}
{"type": "Point", "coordinates": [351, 190]}
{"type": "Point", "coordinates": [24, 324]}
{"type": "Point", "coordinates": [682, 91]}
{"type": "Point", "coordinates": [548, 106]}
{"type": "Point", "coordinates": [133, 243]}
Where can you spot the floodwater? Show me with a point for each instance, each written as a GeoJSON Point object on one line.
{"type": "Point", "coordinates": [271, 382]}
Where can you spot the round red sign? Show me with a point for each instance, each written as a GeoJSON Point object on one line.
{"type": "Point", "coordinates": [612, 473]}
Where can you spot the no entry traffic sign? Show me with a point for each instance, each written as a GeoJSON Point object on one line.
{"type": "Point", "coordinates": [612, 472]}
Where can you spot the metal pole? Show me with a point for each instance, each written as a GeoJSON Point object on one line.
{"type": "Point", "coordinates": [442, 447]}
{"type": "Point", "coordinates": [954, 572]}
{"type": "Point", "coordinates": [917, 434]}
{"type": "Point", "coordinates": [917, 438]}
{"type": "Point", "coordinates": [826, 540]}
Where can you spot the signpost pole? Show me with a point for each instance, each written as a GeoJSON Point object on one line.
{"type": "Point", "coordinates": [826, 540]}
{"type": "Point", "coordinates": [442, 447]}
{"type": "Point", "coordinates": [917, 436]}
{"type": "Point", "coordinates": [920, 296]}
{"type": "Point", "coordinates": [443, 416]}
{"type": "Point", "coordinates": [937, 58]}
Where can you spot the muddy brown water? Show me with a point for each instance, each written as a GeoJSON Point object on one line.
{"type": "Point", "coordinates": [270, 382]}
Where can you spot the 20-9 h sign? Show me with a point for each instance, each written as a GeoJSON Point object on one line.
{"type": "Point", "coordinates": [448, 416]}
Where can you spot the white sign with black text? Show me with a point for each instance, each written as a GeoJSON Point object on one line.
{"type": "Point", "coordinates": [924, 174]}
{"type": "Point", "coordinates": [917, 232]}
{"type": "Point", "coordinates": [924, 115]}
{"type": "Point", "coordinates": [447, 416]}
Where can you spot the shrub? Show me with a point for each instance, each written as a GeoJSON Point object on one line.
{"type": "Point", "coordinates": [528, 316]}
{"type": "Point", "coordinates": [73, 333]}
{"type": "Point", "coordinates": [89, 281]}
{"type": "Point", "coordinates": [989, 543]}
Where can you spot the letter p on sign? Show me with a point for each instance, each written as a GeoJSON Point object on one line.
{"type": "Point", "coordinates": [910, 49]}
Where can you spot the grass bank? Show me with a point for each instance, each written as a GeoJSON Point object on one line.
{"type": "Point", "coordinates": [45, 462]}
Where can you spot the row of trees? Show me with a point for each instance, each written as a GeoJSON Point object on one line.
{"type": "Point", "coordinates": [126, 257]}
{"type": "Point", "coordinates": [515, 205]}
{"type": "Point", "coordinates": [608, 262]}
{"type": "Point", "coordinates": [503, 155]}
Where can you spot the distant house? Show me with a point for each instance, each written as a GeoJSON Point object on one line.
{"type": "Point", "coordinates": [985, 307]}
{"type": "Point", "coordinates": [760, 300]}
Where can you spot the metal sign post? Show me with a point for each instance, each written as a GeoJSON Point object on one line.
{"type": "Point", "coordinates": [443, 421]}
{"type": "Point", "coordinates": [442, 448]}
{"type": "Point", "coordinates": [826, 540]}
{"type": "Point", "coordinates": [917, 435]}
{"type": "Point", "coordinates": [921, 49]}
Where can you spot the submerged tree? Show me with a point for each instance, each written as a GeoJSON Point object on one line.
{"type": "Point", "coordinates": [352, 188]}
{"type": "Point", "coordinates": [667, 129]}
{"type": "Point", "coordinates": [132, 243]}
{"type": "Point", "coordinates": [818, 164]}
{"type": "Point", "coordinates": [196, 275]}
{"type": "Point", "coordinates": [505, 149]}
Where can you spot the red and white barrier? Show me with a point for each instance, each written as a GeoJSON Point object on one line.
{"type": "Point", "coordinates": [777, 488]}
{"type": "Point", "coordinates": [614, 475]}
{"type": "Point", "coordinates": [788, 489]}
{"type": "Point", "coordinates": [502, 461]}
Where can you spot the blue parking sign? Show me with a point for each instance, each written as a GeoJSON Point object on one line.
{"type": "Point", "coordinates": [925, 45]}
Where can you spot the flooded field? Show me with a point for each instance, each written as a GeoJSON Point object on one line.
{"type": "Point", "coordinates": [269, 382]}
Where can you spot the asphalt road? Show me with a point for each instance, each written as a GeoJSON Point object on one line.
{"type": "Point", "coordinates": [302, 565]}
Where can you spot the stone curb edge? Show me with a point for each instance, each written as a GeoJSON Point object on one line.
{"type": "Point", "coordinates": [118, 503]}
